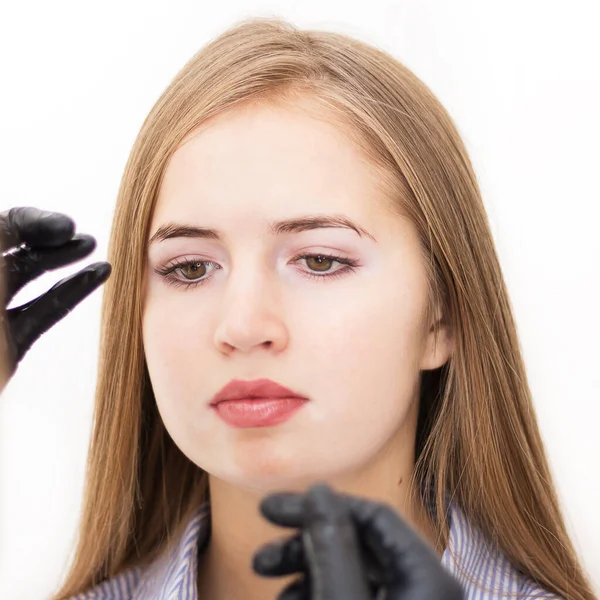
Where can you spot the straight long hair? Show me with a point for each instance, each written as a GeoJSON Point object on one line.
{"type": "Point", "coordinates": [477, 436]}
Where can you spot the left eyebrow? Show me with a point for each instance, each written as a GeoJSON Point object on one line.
{"type": "Point", "coordinates": [297, 225]}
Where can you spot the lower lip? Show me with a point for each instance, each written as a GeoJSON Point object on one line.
{"type": "Point", "coordinates": [258, 412]}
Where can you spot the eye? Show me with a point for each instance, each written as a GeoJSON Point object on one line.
{"type": "Point", "coordinates": [189, 273]}
{"type": "Point", "coordinates": [319, 265]}
{"type": "Point", "coordinates": [186, 272]}
{"type": "Point", "coordinates": [193, 270]}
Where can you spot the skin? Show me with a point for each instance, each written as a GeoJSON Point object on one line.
{"type": "Point", "coordinates": [353, 344]}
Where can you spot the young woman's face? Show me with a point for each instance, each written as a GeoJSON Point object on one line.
{"type": "Point", "coordinates": [251, 302]}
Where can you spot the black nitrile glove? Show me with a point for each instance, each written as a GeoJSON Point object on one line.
{"type": "Point", "coordinates": [350, 549]}
{"type": "Point", "coordinates": [32, 242]}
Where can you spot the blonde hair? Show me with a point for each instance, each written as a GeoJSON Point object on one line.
{"type": "Point", "coordinates": [477, 439]}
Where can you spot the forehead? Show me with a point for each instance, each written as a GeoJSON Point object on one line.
{"type": "Point", "coordinates": [271, 160]}
{"type": "Point", "coordinates": [280, 132]}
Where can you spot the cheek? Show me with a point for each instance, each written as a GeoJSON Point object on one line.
{"type": "Point", "coordinates": [174, 332]}
{"type": "Point", "coordinates": [363, 356]}
{"type": "Point", "coordinates": [175, 346]}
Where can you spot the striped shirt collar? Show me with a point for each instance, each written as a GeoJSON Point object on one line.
{"type": "Point", "coordinates": [468, 556]}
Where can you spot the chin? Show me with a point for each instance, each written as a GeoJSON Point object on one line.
{"type": "Point", "coordinates": [271, 480]}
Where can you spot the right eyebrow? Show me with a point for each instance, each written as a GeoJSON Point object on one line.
{"type": "Point", "coordinates": [306, 223]}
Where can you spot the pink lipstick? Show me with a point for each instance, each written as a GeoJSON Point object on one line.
{"type": "Point", "coordinates": [258, 403]}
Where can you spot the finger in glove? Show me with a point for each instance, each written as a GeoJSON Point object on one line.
{"type": "Point", "coordinates": [26, 263]}
{"type": "Point", "coordinates": [286, 509]}
{"type": "Point", "coordinates": [31, 320]}
{"type": "Point", "coordinates": [282, 557]}
{"type": "Point", "coordinates": [331, 546]}
{"type": "Point", "coordinates": [403, 554]}
{"type": "Point", "coordinates": [34, 227]}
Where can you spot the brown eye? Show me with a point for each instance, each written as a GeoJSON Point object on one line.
{"type": "Point", "coordinates": [319, 263]}
{"type": "Point", "coordinates": [195, 270]}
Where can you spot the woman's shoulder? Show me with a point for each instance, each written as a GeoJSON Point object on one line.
{"type": "Point", "coordinates": [171, 575]}
{"type": "Point", "coordinates": [484, 572]}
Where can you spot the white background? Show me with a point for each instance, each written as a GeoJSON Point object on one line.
{"type": "Point", "coordinates": [521, 79]}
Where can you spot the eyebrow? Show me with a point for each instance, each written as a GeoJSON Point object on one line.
{"type": "Point", "coordinates": [297, 225]}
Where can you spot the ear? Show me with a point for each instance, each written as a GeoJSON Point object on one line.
{"type": "Point", "coordinates": [436, 352]}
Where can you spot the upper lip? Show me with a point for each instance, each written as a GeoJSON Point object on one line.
{"type": "Point", "coordinates": [238, 389]}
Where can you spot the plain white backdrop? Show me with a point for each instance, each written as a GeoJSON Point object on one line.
{"type": "Point", "coordinates": [520, 78]}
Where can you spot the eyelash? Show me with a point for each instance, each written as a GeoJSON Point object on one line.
{"type": "Point", "coordinates": [168, 271]}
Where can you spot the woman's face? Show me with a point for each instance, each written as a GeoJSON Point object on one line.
{"type": "Point", "coordinates": [241, 303]}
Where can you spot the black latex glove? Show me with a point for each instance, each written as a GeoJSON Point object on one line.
{"type": "Point", "coordinates": [350, 549]}
{"type": "Point", "coordinates": [32, 242]}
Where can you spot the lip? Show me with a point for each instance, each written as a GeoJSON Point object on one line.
{"type": "Point", "coordinates": [258, 412]}
{"type": "Point", "coordinates": [258, 403]}
{"type": "Point", "coordinates": [238, 389]}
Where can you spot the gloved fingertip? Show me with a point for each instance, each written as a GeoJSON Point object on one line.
{"type": "Point", "coordinates": [323, 502]}
{"type": "Point", "coordinates": [320, 489]}
{"type": "Point", "coordinates": [102, 270]}
{"type": "Point", "coordinates": [266, 559]}
{"type": "Point", "coordinates": [84, 242]}
{"type": "Point", "coordinates": [277, 505]}
{"type": "Point", "coordinates": [41, 227]}
{"type": "Point", "coordinates": [99, 272]}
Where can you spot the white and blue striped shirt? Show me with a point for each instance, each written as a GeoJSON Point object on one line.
{"type": "Point", "coordinates": [173, 575]}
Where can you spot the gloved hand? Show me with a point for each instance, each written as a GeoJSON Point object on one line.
{"type": "Point", "coordinates": [32, 242]}
{"type": "Point", "coordinates": [350, 549]}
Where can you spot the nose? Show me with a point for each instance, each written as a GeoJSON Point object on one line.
{"type": "Point", "coordinates": [250, 318]}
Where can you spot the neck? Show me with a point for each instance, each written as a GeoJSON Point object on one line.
{"type": "Point", "coordinates": [238, 529]}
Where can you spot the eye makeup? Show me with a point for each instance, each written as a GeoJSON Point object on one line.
{"type": "Point", "coordinates": [182, 272]}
